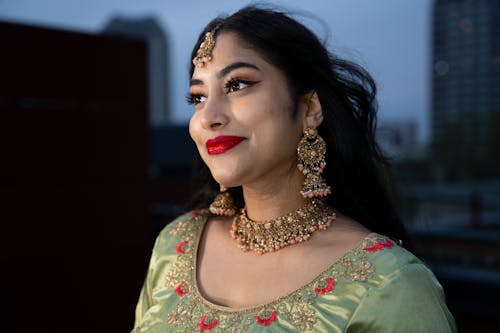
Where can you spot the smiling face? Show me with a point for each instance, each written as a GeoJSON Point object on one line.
{"type": "Point", "coordinates": [242, 124]}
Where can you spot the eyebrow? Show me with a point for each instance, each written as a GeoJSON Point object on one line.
{"type": "Point", "coordinates": [225, 71]}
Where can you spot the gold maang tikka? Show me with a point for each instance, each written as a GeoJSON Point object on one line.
{"type": "Point", "coordinates": [204, 53]}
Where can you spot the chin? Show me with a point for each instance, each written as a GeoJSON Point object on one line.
{"type": "Point", "coordinates": [228, 178]}
{"type": "Point", "coordinates": [226, 181]}
{"type": "Point", "coordinates": [227, 172]}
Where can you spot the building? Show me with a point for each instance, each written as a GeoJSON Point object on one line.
{"type": "Point", "coordinates": [171, 164]}
{"type": "Point", "coordinates": [149, 30]}
{"type": "Point", "coordinates": [172, 150]}
{"type": "Point", "coordinates": [465, 65]}
{"type": "Point", "coordinates": [74, 183]}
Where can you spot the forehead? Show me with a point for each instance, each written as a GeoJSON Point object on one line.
{"type": "Point", "coordinates": [229, 48]}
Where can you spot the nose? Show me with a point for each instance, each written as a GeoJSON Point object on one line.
{"type": "Point", "coordinates": [214, 114]}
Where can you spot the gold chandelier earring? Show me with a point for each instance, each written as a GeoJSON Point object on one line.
{"type": "Point", "coordinates": [223, 203]}
{"type": "Point", "coordinates": [311, 154]}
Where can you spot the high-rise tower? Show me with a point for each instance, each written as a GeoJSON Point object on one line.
{"type": "Point", "coordinates": [466, 65]}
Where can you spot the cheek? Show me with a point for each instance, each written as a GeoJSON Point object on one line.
{"type": "Point", "coordinates": [194, 129]}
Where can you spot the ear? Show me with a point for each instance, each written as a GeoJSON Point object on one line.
{"type": "Point", "coordinates": [314, 112]}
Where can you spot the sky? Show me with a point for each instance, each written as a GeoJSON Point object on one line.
{"type": "Point", "coordinates": [390, 38]}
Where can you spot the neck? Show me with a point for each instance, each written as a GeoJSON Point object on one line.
{"type": "Point", "coordinates": [268, 200]}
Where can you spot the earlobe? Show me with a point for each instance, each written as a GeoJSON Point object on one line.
{"type": "Point", "coordinates": [314, 112]}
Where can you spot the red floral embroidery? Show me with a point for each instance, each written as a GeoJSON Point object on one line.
{"type": "Point", "coordinates": [204, 326]}
{"type": "Point", "coordinates": [379, 246]}
{"type": "Point", "coordinates": [179, 248]}
{"type": "Point", "coordinates": [267, 321]}
{"type": "Point", "coordinates": [329, 286]}
{"type": "Point", "coordinates": [192, 213]}
{"type": "Point", "coordinates": [179, 290]}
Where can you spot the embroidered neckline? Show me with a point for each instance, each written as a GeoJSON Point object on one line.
{"type": "Point", "coordinates": [255, 308]}
{"type": "Point", "coordinates": [193, 312]}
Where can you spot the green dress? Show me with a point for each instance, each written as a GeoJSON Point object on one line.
{"type": "Point", "coordinates": [375, 287]}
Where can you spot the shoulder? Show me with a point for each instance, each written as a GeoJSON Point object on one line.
{"type": "Point", "coordinates": [394, 263]}
{"type": "Point", "coordinates": [174, 248]}
{"type": "Point", "coordinates": [386, 255]}
{"type": "Point", "coordinates": [402, 285]}
{"type": "Point", "coordinates": [178, 233]}
{"type": "Point", "coordinates": [185, 225]}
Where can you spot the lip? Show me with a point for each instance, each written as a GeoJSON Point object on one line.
{"type": "Point", "coordinates": [221, 144]}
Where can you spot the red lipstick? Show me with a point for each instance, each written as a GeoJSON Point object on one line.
{"type": "Point", "coordinates": [222, 143]}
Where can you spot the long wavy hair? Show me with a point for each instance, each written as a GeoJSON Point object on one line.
{"type": "Point", "coordinates": [356, 169]}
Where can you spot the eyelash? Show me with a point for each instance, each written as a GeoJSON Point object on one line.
{"type": "Point", "coordinates": [193, 99]}
{"type": "Point", "coordinates": [232, 82]}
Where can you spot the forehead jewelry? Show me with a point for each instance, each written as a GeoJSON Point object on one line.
{"type": "Point", "coordinates": [204, 53]}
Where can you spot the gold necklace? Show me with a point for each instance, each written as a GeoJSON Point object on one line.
{"type": "Point", "coordinates": [277, 233]}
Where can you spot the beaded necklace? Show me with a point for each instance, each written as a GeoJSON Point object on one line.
{"type": "Point", "coordinates": [277, 233]}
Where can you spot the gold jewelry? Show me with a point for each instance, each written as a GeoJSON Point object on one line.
{"type": "Point", "coordinates": [223, 203]}
{"type": "Point", "coordinates": [204, 53]}
{"type": "Point", "coordinates": [311, 152]}
{"type": "Point", "coordinates": [275, 234]}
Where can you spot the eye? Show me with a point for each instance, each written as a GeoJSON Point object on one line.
{"type": "Point", "coordinates": [238, 84]}
{"type": "Point", "coordinates": [195, 99]}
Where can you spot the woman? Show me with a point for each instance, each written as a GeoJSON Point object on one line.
{"type": "Point", "coordinates": [300, 231]}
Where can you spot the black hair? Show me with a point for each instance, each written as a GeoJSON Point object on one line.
{"type": "Point", "coordinates": [356, 169]}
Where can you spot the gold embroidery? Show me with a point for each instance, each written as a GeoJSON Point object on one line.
{"type": "Point", "coordinates": [182, 228]}
{"type": "Point", "coordinates": [303, 317]}
{"type": "Point", "coordinates": [177, 316]}
{"type": "Point", "coordinates": [171, 278]}
{"type": "Point", "coordinates": [296, 308]}
{"type": "Point", "coordinates": [180, 267]}
{"type": "Point", "coordinates": [186, 230]}
{"type": "Point", "coordinates": [359, 269]}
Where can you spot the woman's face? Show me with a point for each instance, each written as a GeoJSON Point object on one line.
{"type": "Point", "coordinates": [242, 123]}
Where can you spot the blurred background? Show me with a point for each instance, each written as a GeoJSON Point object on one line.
{"type": "Point", "coordinates": [96, 157]}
